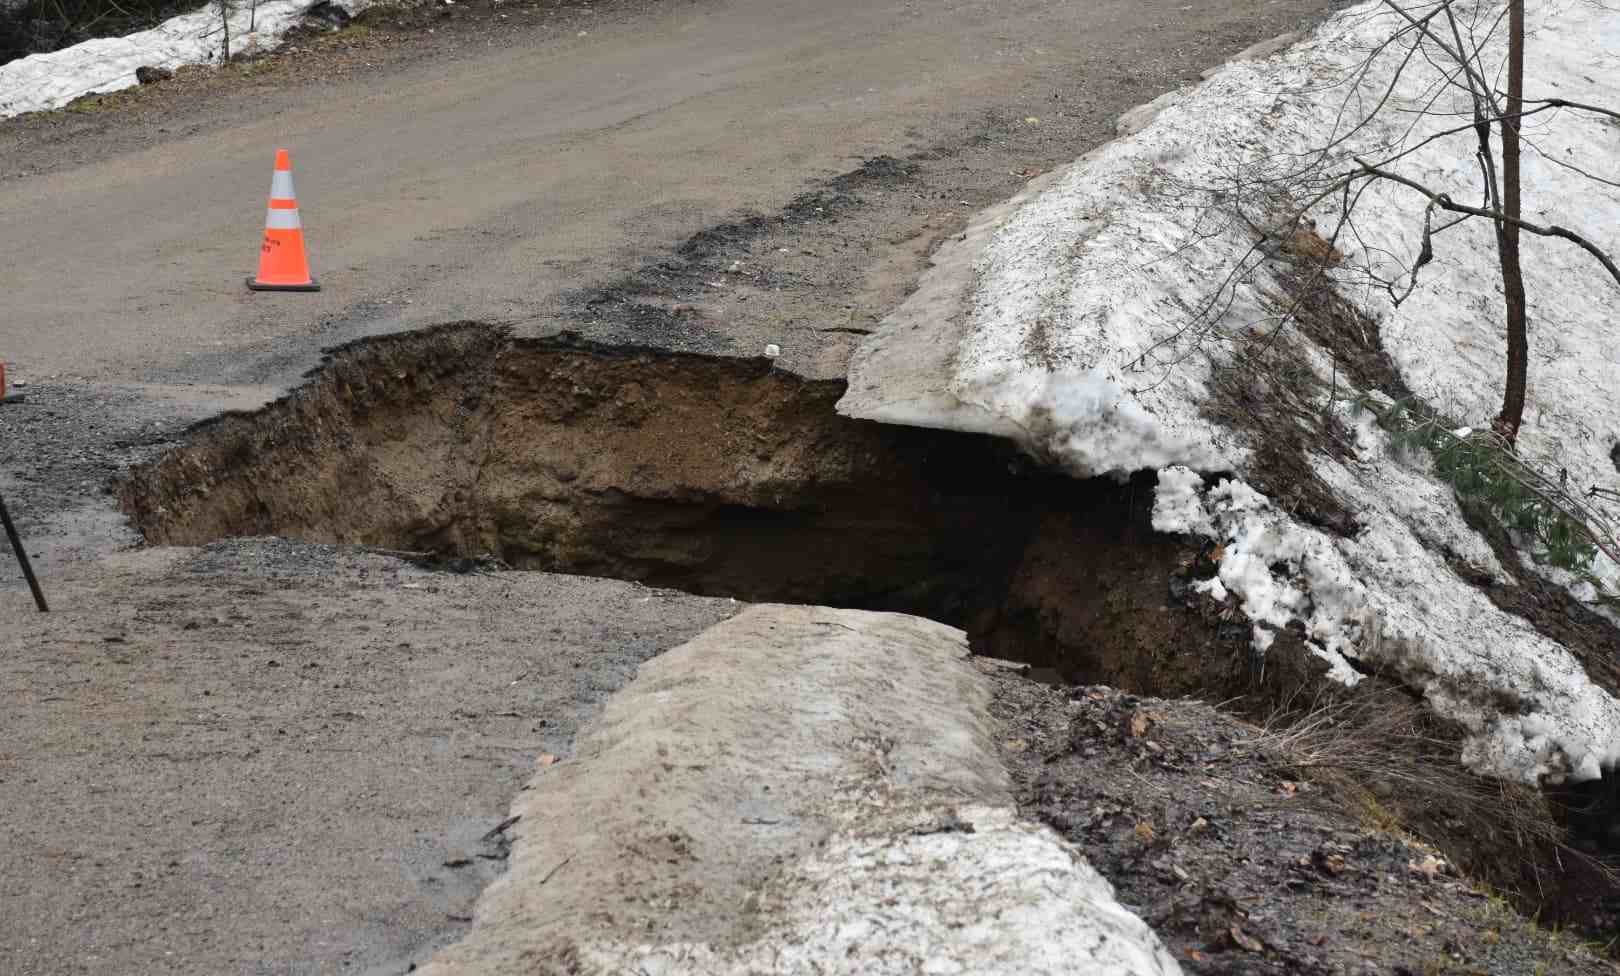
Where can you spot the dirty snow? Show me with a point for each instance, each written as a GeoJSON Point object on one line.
{"type": "Point", "coordinates": [917, 904]}
{"type": "Point", "coordinates": [1387, 599]}
{"type": "Point", "coordinates": [45, 81]}
{"type": "Point", "coordinates": [1008, 897]}
{"type": "Point", "coordinates": [1071, 335]}
{"type": "Point", "coordinates": [1317, 587]}
{"type": "Point", "coordinates": [796, 790]}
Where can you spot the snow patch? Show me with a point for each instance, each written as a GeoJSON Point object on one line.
{"type": "Point", "coordinates": [1280, 570]}
{"type": "Point", "coordinates": [1090, 424]}
{"type": "Point", "coordinates": [1388, 601]}
{"type": "Point", "coordinates": [796, 790]}
{"type": "Point", "coordinates": [41, 82]}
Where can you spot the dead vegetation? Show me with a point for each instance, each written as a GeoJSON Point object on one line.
{"type": "Point", "coordinates": [1379, 751]}
{"type": "Point", "coordinates": [1298, 847]}
{"type": "Point", "coordinates": [1288, 411]}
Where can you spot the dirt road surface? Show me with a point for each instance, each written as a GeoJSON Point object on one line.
{"type": "Point", "coordinates": [698, 175]}
{"type": "Point", "coordinates": [267, 757]}
{"type": "Point", "coordinates": [487, 181]}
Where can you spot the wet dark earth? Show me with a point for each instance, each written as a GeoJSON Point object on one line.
{"type": "Point", "coordinates": [1248, 855]}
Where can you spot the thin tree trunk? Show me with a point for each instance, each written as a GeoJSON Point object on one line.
{"type": "Point", "coordinates": [225, 25]}
{"type": "Point", "coordinates": [1507, 235]}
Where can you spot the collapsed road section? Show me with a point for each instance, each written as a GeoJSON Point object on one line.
{"type": "Point", "coordinates": [728, 477]}
{"type": "Point", "coordinates": [715, 476]}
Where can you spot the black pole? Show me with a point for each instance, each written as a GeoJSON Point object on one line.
{"type": "Point", "coordinates": [22, 558]}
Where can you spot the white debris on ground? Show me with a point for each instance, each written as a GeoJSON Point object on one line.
{"type": "Point", "coordinates": [41, 82]}
{"type": "Point", "coordinates": [796, 790]}
{"type": "Point", "coordinates": [1071, 335]}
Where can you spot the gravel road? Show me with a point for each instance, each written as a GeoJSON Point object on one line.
{"type": "Point", "coordinates": [270, 757]}
{"type": "Point", "coordinates": [495, 171]}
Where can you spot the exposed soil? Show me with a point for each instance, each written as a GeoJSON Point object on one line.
{"type": "Point", "coordinates": [1267, 394]}
{"type": "Point", "coordinates": [1335, 324]}
{"type": "Point", "coordinates": [464, 443]}
{"type": "Point", "coordinates": [318, 879]}
{"type": "Point", "coordinates": [1240, 862]}
{"type": "Point", "coordinates": [715, 476]}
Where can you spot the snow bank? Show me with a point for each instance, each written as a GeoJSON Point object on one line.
{"type": "Point", "coordinates": [45, 81]}
{"type": "Point", "coordinates": [1076, 334]}
{"type": "Point", "coordinates": [796, 790]}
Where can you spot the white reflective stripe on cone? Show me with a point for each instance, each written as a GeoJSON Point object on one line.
{"type": "Point", "coordinates": [282, 220]}
{"type": "Point", "coordinates": [281, 185]}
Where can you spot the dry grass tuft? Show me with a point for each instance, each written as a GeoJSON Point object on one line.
{"type": "Point", "coordinates": [1381, 752]}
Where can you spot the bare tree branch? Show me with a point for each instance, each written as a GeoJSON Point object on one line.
{"type": "Point", "coordinates": [1540, 230]}
{"type": "Point", "coordinates": [1578, 106]}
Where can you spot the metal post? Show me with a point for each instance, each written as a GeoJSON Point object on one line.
{"type": "Point", "coordinates": [22, 558]}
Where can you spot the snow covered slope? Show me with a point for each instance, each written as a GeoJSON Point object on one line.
{"type": "Point", "coordinates": [46, 81]}
{"type": "Point", "coordinates": [1070, 335]}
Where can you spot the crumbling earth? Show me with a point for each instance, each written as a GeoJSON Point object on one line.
{"type": "Point", "coordinates": [1240, 862]}
{"type": "Point", "coordinates": [726, 477]}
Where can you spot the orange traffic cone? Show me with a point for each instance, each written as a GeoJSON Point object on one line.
{"type": "Point", "coordinates": [283, 265]}
{"type": "Point", "coordinates": [6, 396]}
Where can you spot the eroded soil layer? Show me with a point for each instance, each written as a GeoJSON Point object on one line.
{"type": "Point", "coordinates": [715, 476]}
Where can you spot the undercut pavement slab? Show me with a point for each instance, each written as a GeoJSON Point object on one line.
{"type": "Point", "coordinates": [797, 789]}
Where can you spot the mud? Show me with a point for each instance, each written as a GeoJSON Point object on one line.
{"type": "Point", "coordinates": [721, 477]}
{"type": "Point", "coordinates": [1245, 863]}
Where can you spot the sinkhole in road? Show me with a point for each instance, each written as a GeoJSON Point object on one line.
{"type": "Point", "coordinates": [726, 477]}
{"type": "Point", "coordinates": [716, 476]}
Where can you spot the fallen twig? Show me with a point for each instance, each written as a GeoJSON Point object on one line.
{"type": "Point", "coordinates": [554, 870]}
{"type": "Point", "coordinates": [502, 827]}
